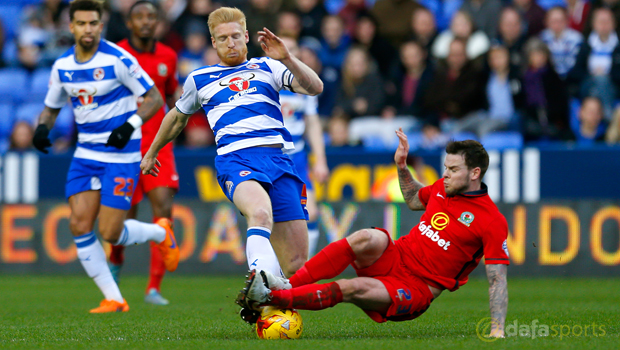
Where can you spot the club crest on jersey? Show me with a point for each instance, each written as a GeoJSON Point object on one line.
{"type": "Point", "coordinates": [466, 218]}
{"type": "Point", "coordinates": [244, 173]}
{"type": "Point", "coordinates": [253, 66]}
{"type": "Point", "coordinates": [162, 70]}
{"type": "Point", "coordinates": [98, 74]}
{"type": "Point", "coordinates": [86, 97]}
{"type": "Point", "coordinates": [439, 221]}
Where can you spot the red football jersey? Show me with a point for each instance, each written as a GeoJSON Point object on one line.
{"type": "Point", "coordinates": [161, 65]}
{"type": "Point", "coordinates": [453, 235]}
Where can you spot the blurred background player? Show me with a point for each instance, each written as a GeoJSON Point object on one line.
{"type": "Point", "coordinates": [160, 63]}
{"type": "Point", "coordinates": [102, 80]}
{"type": "Point", "coordinates": [241, 101]}
{"type": "Point", "coordinates": [301, 119]}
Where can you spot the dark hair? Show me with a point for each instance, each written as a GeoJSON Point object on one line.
{"type": "Point", "coordinates": [474, 153]}
{"type": "Point", "coordinates": [143, 2]}
{"type": "Point", "coordinates": [85, 5]}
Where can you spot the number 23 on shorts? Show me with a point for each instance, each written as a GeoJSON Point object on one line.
{"type": "Point", "coordinates": [124, 186]}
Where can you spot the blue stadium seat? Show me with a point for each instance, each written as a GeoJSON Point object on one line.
{"type": "Point", "coordinates": [7, 118]}
{"type": "Point", "coordinates": [9, 53]}
{"type": "Point", "coordinates": [10, 16]}
{"type": "Point", "coordinates": [573, 115]}
{"type": "Point", "coordinates": [501, 140]}
{"type": "Point", "coordinates": [29, 112]}
{"type": "Point", "coordinates": [13, 85]}
{"type": "Point", "coordinates": [547, 4]}
{"type": "Point", "coordinates": [38, 85]}
{"type": "Point", "coordinates": [415, 140]}
{"type": "Point", "coordinates": [465, 135]}
{"type": "Point", "coordinates": [373, 143]}
{"type": "Point", "coordinates": [65, 124]}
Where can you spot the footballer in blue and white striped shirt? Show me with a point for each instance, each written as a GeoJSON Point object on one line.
{"type": "Point", "coordinates": [103, 82]}
{"type": "Point", "coordinates": [242, 103]}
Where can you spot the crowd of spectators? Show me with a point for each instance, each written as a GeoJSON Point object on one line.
{"type": "Point", "coordinates": [542, 70]}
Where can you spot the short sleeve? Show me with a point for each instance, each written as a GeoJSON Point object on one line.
{"type": "Point", "coordinates": [189, 102]}
{"type": "Point", "coordinates": [494, 242]}
{"type": "Point", "coordinates": [131, 75]}
{"type": "Point", "coordinates": [424, 194]}
{"type": "Point", "coordinates": [56, 95]}
{"type": "Point", "coordinates": [312, 105]}
{"type": "Point", "coordinates": [282, 77]}
{"type": "Point", "coordinates": [172, 82]}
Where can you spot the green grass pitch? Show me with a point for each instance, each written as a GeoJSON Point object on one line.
{"type": "Point", "coordinates": [51, 312]}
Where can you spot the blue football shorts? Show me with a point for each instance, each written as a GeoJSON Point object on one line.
{"type": "Point", "coordinates": [301, 165]}
{"type": "Point", "coordinates": [116, 181]}
{"type": "Point", "coordinates": [271, 168]}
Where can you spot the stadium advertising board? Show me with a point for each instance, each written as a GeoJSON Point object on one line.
{"type": "Point", "coordinates": [563, 238]}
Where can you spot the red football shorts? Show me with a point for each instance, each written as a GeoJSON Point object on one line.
{"type": "Point", "coordinates": [167, 177]}
{"type": "Point", "coordinates": [411, 297]}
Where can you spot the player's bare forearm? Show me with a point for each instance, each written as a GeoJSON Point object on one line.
{"type": "Point", "coordinates": [306, 80]}
{"type": "Point", "coordinates": [151, 104]}
{"type": "Point", "coordinates": [314, 134]}
{"type": "Point", "coordinates": [48, 116]}
{"type": "Point", "coordinates": [409, 187]}
{"type": "Point", "coordinates": [170, 128]}
{"type": "Point", "coordinates": [498, 296]}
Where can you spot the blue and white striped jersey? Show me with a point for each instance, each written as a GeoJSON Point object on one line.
{"type": "Point", "coordinates": [242, 103]}
{"type": "Point", "coordinates": [295, 107]}
{"type": "Point", "coordinates": [103, 92]}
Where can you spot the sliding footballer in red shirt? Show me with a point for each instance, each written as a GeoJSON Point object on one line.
{"type": "Point", "coordinates": [160, 63]}
{"type": "Point", "coordinates": [398, 280]}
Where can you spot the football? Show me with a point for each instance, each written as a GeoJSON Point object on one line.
{"type": "Point", "coordinates": [275, 323]}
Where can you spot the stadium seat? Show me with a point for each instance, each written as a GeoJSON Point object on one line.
{"type": "Point", "coordinates": [9, 53]}
{"type": "Point", "coordinates": [7, 118]}
{"type": "Point", "coordinates": [64, 126]}
{"type": "Point", "coordinates": [465, 135]}
{"type": "Point", "coordinates": [501, 140]}
{"type": "Point", "coordinates": [29, 112]}
{"type": "Point", "coordinates": [38, 85]}
{"type": "Point", "coordinates": [573, 114]}
{"type": "Point", "coordinates": [13, 85]}
{"type": "Point", "coordinates": [10, 16]}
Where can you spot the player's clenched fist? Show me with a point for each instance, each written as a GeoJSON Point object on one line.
{"type": "Point", "coordinates": [150, 165]}
{"type": "Point", "coordinates": [41, 139]}
{"type": "Point", "coordinates": [400, 157]}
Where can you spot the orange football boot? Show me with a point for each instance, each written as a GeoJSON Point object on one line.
{"type": "Point", "coordinates": [110, 306]}
{"type": "Point", "coordinates": [169, 248]}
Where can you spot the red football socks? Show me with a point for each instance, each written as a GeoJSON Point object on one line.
{"type": "Point", "coordinates": [308, 297]}
{"type": "Point", "coordinates": [116, 254]}
{"type": "Point", "coordinates": [158, 269]}
{"type": "Point", "coordinates": [326, 264]}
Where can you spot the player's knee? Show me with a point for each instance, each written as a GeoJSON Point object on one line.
{"type": "Point", "coordinates": [360, 240]}
{"type": "Point", "coordinates": [289, 268]}
{"type": "Point", "coordinates": [79, 226]}
{"type": "Point", "coordinates": [110, 234]}
{"type": "Point", "coordinates": [261, 217]}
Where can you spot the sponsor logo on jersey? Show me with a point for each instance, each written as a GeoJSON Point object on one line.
{"type": "Point", "coordinates": [162, 70]}
{"type": "Point", "coordinates": [68, 75]}
{"type": "Point", "coordinates": [439, 221]}
{"type": "Point", "coordinates": [427, 230]}
{"type": "Point", "coordinates": [86, 97]}
{"type": "Point", "coordinates": [135, 71]}
{"type": "Point", "coordinates": [98, 74]}
{"type": "Point", "coordinates": [439, 195]}
{"type": "Point", "coordinates": [244, 173]}
{"type": "Point", "coordinates": [466, 218]}
{"type": "Point", "coordinates": [505, 248]}
{"type": "Point", "coordinates": [239, 84]}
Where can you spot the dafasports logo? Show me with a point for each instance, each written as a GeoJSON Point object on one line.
{"type": "Point", "coordinates": [535, 329]}
{"type": "Point", "coordinates": [427, 230]}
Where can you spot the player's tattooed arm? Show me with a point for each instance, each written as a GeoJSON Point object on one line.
{"type": "Point", "coordinates": [48, 116]}
{"type": "Point", "coordinates": [498, 297]}
{"type": "Point", "coordinates": [408, 185]}
{"type": "Point", "coordinates": [151, 104]}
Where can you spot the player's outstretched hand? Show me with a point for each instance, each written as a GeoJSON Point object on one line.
{"type": "Point", "coordinates": [272, 45]}
{"type": "Point", "coordinates": [400, 157]}
{"type": "Point", "coordinates": [320, 171]}
{"type": "Point", "coordinates": [41, 140]}
{"type": "Point", "coordinates": [150, 165]}
{"type": "Point", "coordinates": [120, 136]}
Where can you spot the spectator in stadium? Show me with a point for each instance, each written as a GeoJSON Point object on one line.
{"type": "Point", "coordinates": [365, 35]}
{"type": "Point", "coordinates": [195, 11]}
{"type": "Point", "coordinates": [424, 27]}
{"type": "Point", "coordinates": [612, 136]}
{"type": "Point", "coordinates": [463, 28]}
{"type": "Point", "coordinates": [260, 14]}
{"type": "Point", "coordinates": [350, 13]}
{"type": "Point", "coordinates": [311, 13]}
{"type": "Point", "coordinates": [196, 43]}
{"type": "Point", "coordinates": [457, 88]}
{"type": "Point", "coordinates": [409, 80]}
{"type": "Point", "coordinates": [335, 42]}
{"type": "Point", "coordinates": [533, 14]}
{"type": "Point", "coordinates": [578, 11]}
{"type": "Point", "coordinates": [308, 54]}
{"type": "Point", "coordinates": [510, 35]}
{"type": "Point", "coordinates": [611, 5]}
{"type": "Point", "coordinates": [338, 131]}
{"type": "Point", "coordinates": [289, 25]}
{"type": "Point", "coordinates": [32, 39]}
{"type": "Point", "coordinates": [563, 42]}
{"type": "Point", "coordinates": [394, 19]}
{"type": "Point", "coordinates": [484, 13]}
{"type": "Point", "coordinates": [592, 125]}
{"type": "Point", "coordinates": [598, 62]}
{"type": "Point", "coordinates": [361, 90]}
{"type": "Point", "coordinates": [546, 98]}
{"type": "Point", "coordinates": [21, 137]}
